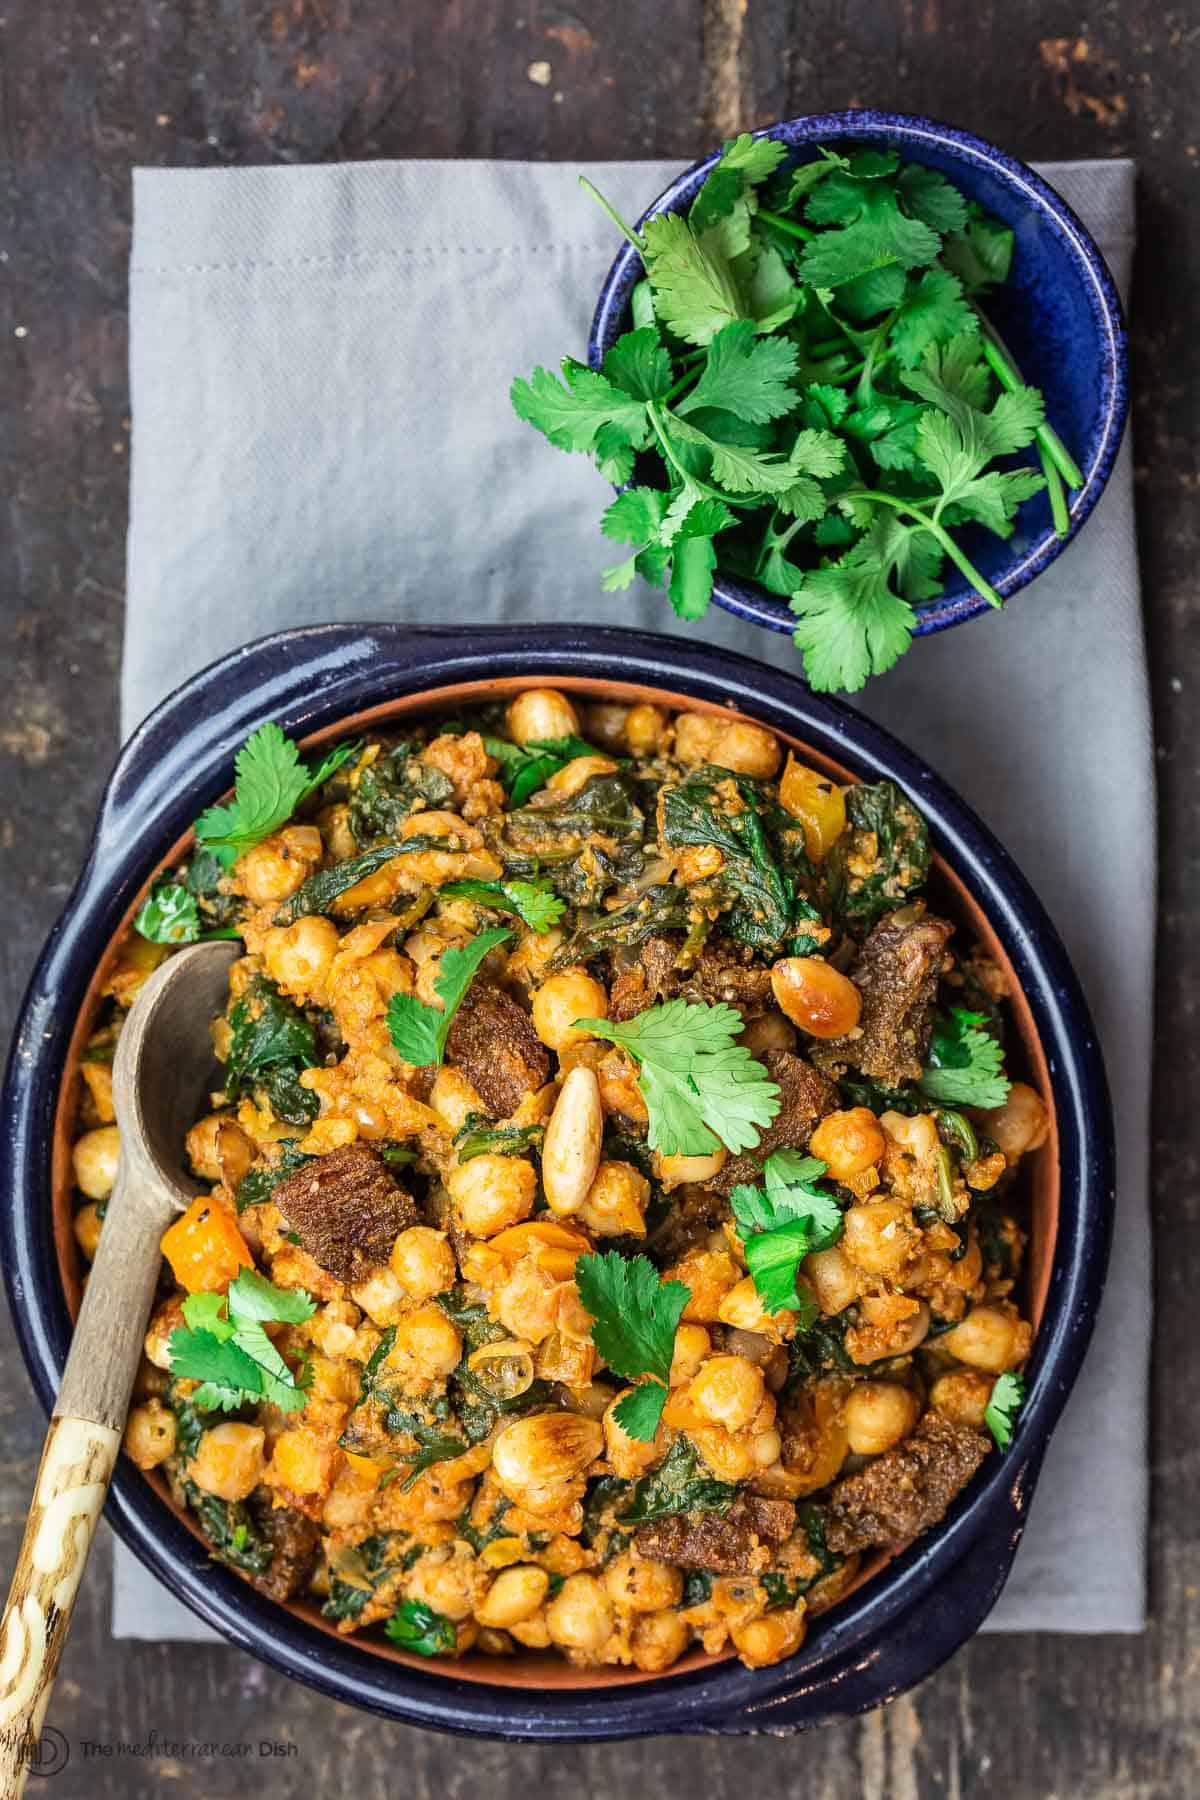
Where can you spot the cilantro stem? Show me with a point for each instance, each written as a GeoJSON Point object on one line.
{"type": "Point", "coordinates": [658, 426]}
{"type": "Point", "coordinates": [961, 561]}
{"type": "Point", "coordinates": [788, 225]}
{"type": "Point", "coordinates": [1054, 488]}
{"type": "Point", "coordinates": [1000, 360]}
{"type": "Point", "coordinates": [630, 236]}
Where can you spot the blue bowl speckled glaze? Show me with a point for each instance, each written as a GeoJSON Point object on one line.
{"type": "Point", "coordinates": [921, 1606]}
{"type": "Point", "coordinates": [1058, 312]}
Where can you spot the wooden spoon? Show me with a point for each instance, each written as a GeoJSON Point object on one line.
{"type": "Point", "coordinates": [162, 1072]}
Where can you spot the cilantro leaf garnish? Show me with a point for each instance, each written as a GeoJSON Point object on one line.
{"type": "Point", "coordinates": [225, 1347]}
{"type": "Point", "coordinates": [781, 1222]}
{"type": "Point", "coordinates": [415, 1626]}
{"type": "Point", "coordinates": [170, 915]}
{"type": "Point", "coordinates": [525, 768]}
{"type": "Point", "coordinates": [534, 902]}
{"type": "Point", "coordinates": [419, 1032]}
{"type": "Point", "coordinates": [634, 1318]}
{"type": "Point", "coordinates": [271, 783]}
{"type": "Point", "coordinates": [746, 375]}
{"type": "Point", "coordinates": [1000, 1414]}
{"type": "Point", "coordinates": [965, 1064]}
{"type": "Point", "coordinates": [701, 1087]}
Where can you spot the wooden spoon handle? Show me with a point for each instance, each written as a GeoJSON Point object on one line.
{"type": "Point", "coordinates": [76, 1467]}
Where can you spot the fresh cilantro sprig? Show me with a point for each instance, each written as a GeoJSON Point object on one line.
{"type": "Point", "coordinates": [634, 1316]}
{"type": "Point", "coordinates": [225, 1347]}
{"type": "Point", "coordinates": [170, 915]}
{"type": "Point", "coordinates": [1007, 1399]}
{"type": "Point", "coordinates": [701, 1087]}
{"type": "Point", "coordinates": [418, 1031]}
{"type": "Point", "coordinates": [272, 782]}
{"type": "Point", "coordinates": [781, 1222]}
{"type": "Point", "coordinates": [812, 397]}
{"type": "Point", "coordinates": [534, 902]}
{"type": "Point", "coordinates": [965, 1064]}
{"type": "Point", "coordinates": [526, 767]}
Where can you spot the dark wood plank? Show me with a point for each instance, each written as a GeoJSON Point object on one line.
{"type": "Point", "coordinates": [91, 87]}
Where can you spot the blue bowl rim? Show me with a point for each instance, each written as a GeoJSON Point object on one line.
{"type": "Point", "coordinates": [181, 758]}
{"type": "Point", "coordinates": [746, 599]}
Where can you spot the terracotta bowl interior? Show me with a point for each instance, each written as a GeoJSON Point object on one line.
{"type": "Point", "coordinates": [540, 1670]}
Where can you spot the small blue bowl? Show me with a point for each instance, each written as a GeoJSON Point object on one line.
{"type": "Point", "coordinates": [1058, 312]}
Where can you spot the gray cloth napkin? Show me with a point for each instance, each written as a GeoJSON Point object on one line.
{"type": "Point", "coordinates": [321, 430]}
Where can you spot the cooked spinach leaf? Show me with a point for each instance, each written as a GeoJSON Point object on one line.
{"type": "Point", "coordinates": [680, 1484]}
{"type": "Point", "coordinates": [259, 1184]}
{"type": "Point", "coordinates": [318, 893]}
{"type": "Point", "coordinates": [268, 1032]}
{"type": "Point", "coordinates": [230, 1529]}
{"type": "Point", "coordinates": [477, 1136]}
{"type": "Point", "coordinates": [388, 790]}
{"type": "Point", "coordinates": [888, 834]}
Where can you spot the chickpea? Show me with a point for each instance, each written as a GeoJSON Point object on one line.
{"type": "Point", "coordinates": [917, 1136]}
{"type": "Point", "coordinates": [761, 1642]}
{"type": "Point", "coordinates": [616, 1201]}
{"type": "Point", "coordinates": [427, 1343]}
{"type": "Point", "coordinates": [709, 1275]}
{"type": "Point", "coordinates": [274, 869]}
{"type": "Point", "coordinates": [674, 1171]}
{"type": "Point", "coordinates": [576, 774]}
{"type": "Point", "coordinates": [848, 1142]}
{"type": "Point", "coordinates": [884, 1335]}
{"type": "Point", "coordinates": [692, 1345]}
{"type": "Point", "coordinates": [728, 1391]}
{"type": "Point", "coordinates": [571, 1148]}
{"type": "Point", "coordinates": [962, 1396]}
{"type": "Point", "coordinates": [1021, 1124]}
{"type": "Point", "coordinates": [219, 1150]}
{"type": "Point", "coordinates": [818, 803]}
{"type": "Point", "coordinates": [97, 1078]}
{"type": "Point", "coordinates": [445, 1584]}
{"type": "Point", "coordinates": [491, 1193]}
{"type": "Point", "coordinates": [641, 1583]}
{"type": "Point", "coordinates": [94, 1161]}
{"type": "Point", "coordinates": [993, 1338]}
{"type": "Point", "coordinates": [539, 714]}
{"type": "Point", "coordinates": [879, 1236]}
{"type": "Point", "coordinates": [645, 729]}
{"type": "Point", "coordinates": [659, 1639]}
{"type": "Point", "coordinates": [452, 1098]}
{"type": "Point", "coordinates": [422, 1262]}
{"type": "Point", "coordinates": [334, 1328]}
{"type": "Point", "coordinates": [833, 1279]}
{"type": "Point", "coordinates": [815, 996]}
{"type": "Point", "coordinates": [563, 998]}
{"type": "Point", "coordinates": [878, 1414]}
{"type": "Point", "coordinates": [629, 1456]}
{"type": "Point", "coordinates": [730, 743]}
{"type": "Point", "coordinates": [742, 1308]}
{"type": "Point", "coordinates": [229, 1460]}
{"type": "Point", "coordinates": [580, 1617]}
{"type": "Point", "coordinates": [771, 1032]}
{"type": "Point", "coordinates": [87, 1225]}
{"type": "Point", "coordinates": [302, 1461]}
{"type": "Point", "coordinates": [381, 1297]}
{"type": "Point", "coordinates": [542, 1448]}
{"type": "Point", "coordinates": [168, 1318]}
{"type": "Point", "coordinates": [298, 957]}
{"type": "Point", "coordinates": [150, 1434]}
{"type": "Point", "coordinates": [514, 1596]}
{"type": "Point", "coordinates": [605, 723]}
{"type": "Point", "coordinates": [532, 1632]}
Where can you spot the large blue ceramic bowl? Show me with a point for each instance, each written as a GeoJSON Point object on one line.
{"type": "Point", "coordinates": [913, 1612]}
{"type": "Point", "coordinates": [1058, 312]}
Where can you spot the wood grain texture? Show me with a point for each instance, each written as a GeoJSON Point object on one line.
{"type": "Point", "coordinates": [91, 87]}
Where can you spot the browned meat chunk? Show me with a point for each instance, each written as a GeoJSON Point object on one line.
{"type": "Point", "coordinates": [805, 1097]}
{"type": "Point", "coordinates": [295, 1540]}
{"type": "Point", "coordinates": [726, 971]}
{"type": "Point", "coordinates": [897, 975]}
{"type": "Point", "coordinates": [907, 1489]}
{"type": "Point", "coordinates": [494, 1044]}
{"type": "Point", "coordinates": [346, 1209]}
{"type": "Point", "coordinates": [646, 981]}
{"type": "Point", "coordinates": [739, 1543]}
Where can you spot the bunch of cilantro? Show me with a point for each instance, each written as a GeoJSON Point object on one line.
{"type": "Point", "coordinates": [811, 398]}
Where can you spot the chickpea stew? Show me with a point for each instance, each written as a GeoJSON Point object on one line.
{"type": "Point", "coordinates": [614, 1217]}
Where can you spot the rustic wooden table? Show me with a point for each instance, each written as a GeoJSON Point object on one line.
{"type": "Point", "coordinates": [92, 87]}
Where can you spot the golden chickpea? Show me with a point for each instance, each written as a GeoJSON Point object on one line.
{"type": "Point", "coordinates": [730, 743]}
{"type": "Point", "coordinates": [274, 869]}
{"type": "Point", "coordinates": [833, 1279]}
{"type": "Point", "coordinates": [571, 1148]}
{"type": "Point", "coordinates": [445, 1584]}
{"type": "Point", "coordinates": [580, 1616]}
{"type": "Point", "coordinates": [218, 1149]}
{"type": "Point", "coordinates": [298, 956]}
{"type": "Point", "coordinates": [878, 1414]}
{"type": "Point", "coordinates": [150, 1434]}
{"type": "Point", "coordinates": [674, 1171]}
{"type": "Point", "coordinates": [229, 1460]}
{"type": "Point", "coordinates": [629, 1456]}
{"type": "Point", "coordinates": [427, 1344]}
{"type": "Point", "coordinates": [645, 729]}
{"type": "Point", "coordinates": [879, 1236]}
{"type": "Point", "coordinates": [514, 1596]}
{"type": "Point", "coordinates": [993, 1338]}
{"type": "Point", "coordinates": [848, 1142]}
{"type": "Point", "coordinates": [771, 1032]}
{"type": "Point", "coordinates": [692, 1346]}
{"type": "Point", "coordinates": [563, 998]}
{"type": "Point", "coordinates": [540, 714]}
{"type": "Point", "coordinates": [532, 1633]}
{"type": "Point", "coordinates": [542, 1448]}
{"type": "Point", "coordinates": [883, 1335]}
{"type": "Point", "coordinates": [94, 1161]}
{"type": "Point", "coordinates": [659, 1639]}
{"type": "Point", "coordinates": [423, 1262]}
{"type": "Point", "coordinates": [962, 1396]}
{"type": "Point", "coordinates": [917, 1137]}
{"type": "Point", "coordinates": [761, 1642]}
{"type": "Point", "coordinates": [168, 1318]}
{"type": "Point", "coordinates": [1021, 1124]}
{"type": "Point", "coordinates": [708, 1275]}
{"type": "Point", "coordinates": [616, 1201]}
{"type": "Point", "coordinates": [87, 1225]}
{"type": "Point", "coordinates": [728, 1391]}
{"type": "Point", "coordinates": [575, 775]}
{"type": "Point", "coordinates": [452, 1098]}
{"type": "Point", "coordinates": [604, 724]}
{"type": "Point", "coordinates": [381, 1297]}
{"type": "Point", "coordinates": [818, 803]}
{"type": "Point", "coordinates": [815, 996]}
{"type": "Point", "coordinates": [642, 1584]}
{"type": "Point", "coordinates": [696, 737]}
{"type": "Point", "coordinates": [491, 1193]}
{"type": "Point", "coordinates": [742, 1308]}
